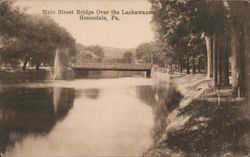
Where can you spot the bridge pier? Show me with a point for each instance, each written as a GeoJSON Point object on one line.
{"type": "Point", "coordinates": [148, 73]}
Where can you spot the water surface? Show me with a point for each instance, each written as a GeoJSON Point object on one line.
{"type": "Point", "coordinates": [102, 117]}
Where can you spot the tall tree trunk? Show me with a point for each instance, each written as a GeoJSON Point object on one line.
{"type": "Point", "coordinates": [235, 56]}
{"type": "Point", "coordinates": [209, 46]}
{"type": "Point", "coordinates": [193, 65]}
{"type": "Point", "coordinates": [37, 65]}
{"type": "Point", "coordinates": [38, 62]}
{"type": "Point", "coordinates": [222, 60]}
{"type": "Point", "coordinates": [242, 85]}
{"type": "Point", "coordinates": [246, 107]}
{"type": "Point", "coordinates": [215, 66]}
{"type": "Point", "coordinates": [236, 48]}
{"type": "Point", "coordinates": [181, 65]}
{"type": "Point", "coordinates": [25, 64]}
{"type": "Point", "coordinates": [219, 51]}
{"type": "Point", "coordinates": [224, 74]}
{"type": "Point", "coordinates": [188, 67]}
{"type": "Point", "coordinates": [171, 67]}
{"type": "Point", "coordinates": [199, 64]}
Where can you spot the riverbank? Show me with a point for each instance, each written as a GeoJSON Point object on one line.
{"type": "Point", "coordinates": [200, 127]}
{"type": "Point", "coordinates": [16, 75]}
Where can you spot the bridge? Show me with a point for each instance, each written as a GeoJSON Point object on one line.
{"type": "Point", "coordinates": [146, 67]}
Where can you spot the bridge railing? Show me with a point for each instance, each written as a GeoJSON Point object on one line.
{"type": "Point", "coordinates": [108, 59]}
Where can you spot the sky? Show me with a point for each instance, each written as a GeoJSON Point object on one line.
{"type": "Point", "coordinates": [128, 32]}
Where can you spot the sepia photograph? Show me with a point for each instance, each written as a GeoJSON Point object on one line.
{"type": "Point", "coordinates": [124, 78]}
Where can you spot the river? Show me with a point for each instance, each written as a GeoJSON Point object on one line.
{"type": "Point", "coordinates": [85, 117]}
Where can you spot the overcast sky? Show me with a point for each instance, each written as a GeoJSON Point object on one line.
{"type": "Point", "coordinates": [129, 32]}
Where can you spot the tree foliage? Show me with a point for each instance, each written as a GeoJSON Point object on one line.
{"type": "Point", "coordinates": [97, 50]}
{"type": "Point", "coordinates": [128, 57]}
{"type": "Point", "coordinates": [31, 37]}
{"type": "Point", "coordinates": [151, 52]}
{"type": "Point", "coordinates": [178, 24]}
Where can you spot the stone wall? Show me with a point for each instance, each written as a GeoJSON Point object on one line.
{"type": "Point", "coordinates": [161, 74]}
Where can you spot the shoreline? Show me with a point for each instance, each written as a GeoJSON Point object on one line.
{"type": "Point", "coordinates": [199, 126]}
{"type": "Point", "coordinates": [191, 87]}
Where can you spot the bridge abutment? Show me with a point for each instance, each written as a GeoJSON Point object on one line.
{"type": "Point", "coordinates": [148, 73]}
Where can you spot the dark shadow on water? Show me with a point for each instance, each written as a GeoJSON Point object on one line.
{"type": "Point", "coordinates": [25, 111]}
{"type": "Point", "coordinates": [92, 93]}
{"type": "Point", "coordinates": [163, 98]}
{"type": "Point", "coordinates": [96, 74]}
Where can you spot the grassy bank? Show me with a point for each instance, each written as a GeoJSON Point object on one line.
{"type": "Point", "coordinates": [198, 127]}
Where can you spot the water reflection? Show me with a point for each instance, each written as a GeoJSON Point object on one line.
{"type": "Point", "coordinates": [110, 117]}
{"type": "Point", "coordinates": [163, 98]}
{"type": "Point", "coordinates": [92, 93]}
{"type": "Point", "coordinates": [63, 100]}
{"type": "Point", "coordinates": [26, 111]}
{"type": "Point", "coordinates": [105, 74]}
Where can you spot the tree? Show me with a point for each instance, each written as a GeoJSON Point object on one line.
{"type": "Point", "coordinates": [239, 12]}
{"type": "Point", "coordinates": [143, 52]}
{"type": "Point", "coordinates": [246, 108]}
{"type": "Point", "coordinates": [128, 57]}
{"type": "Point", "coordinates": [36, 38]}
{"type": "Point", "coordinates": [177, 21]}
{"type": "Point", "coordinates": [151, 52]}
{"type": "Point", "coordinates": [97, 50]}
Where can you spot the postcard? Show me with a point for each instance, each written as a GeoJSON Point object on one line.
{"type": "Point", "coordinates": [124, 78]}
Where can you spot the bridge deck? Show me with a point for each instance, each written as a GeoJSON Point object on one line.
{"type": "Point", "coordinates": [114, 67]}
